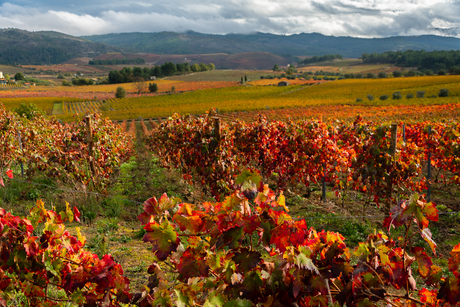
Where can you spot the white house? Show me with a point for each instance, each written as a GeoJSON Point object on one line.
{"type": "Point", "coordinates": [1, 75]}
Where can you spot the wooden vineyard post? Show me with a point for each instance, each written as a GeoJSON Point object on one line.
{"type": "Point", "coordinates": [404, 133]}
{"type": "Point", "coordinates": [324, 183]}
{"type": "Point", "coordinates": [394, 139]}
{"type": "Point", "coordinates": [216, 128]}
{"type": "Point", "coordinates": [428, 177]}
{"type": "Point", "coordinates": [20, 146]}
{"type": "Point", "coordinates": [89, 134]}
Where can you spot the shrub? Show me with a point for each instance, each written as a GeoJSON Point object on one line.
{"type": "Point", "coordinates": [410, 96]}
{"type": "Point", "coordinates": [358, 100]}
{"type": "Point", "coordinates": [370, 75]}
{"type": "Point", "coordinates": [384, 97]}
{"type": "Point", "coordinates": [153, 87]}
{"type": "Point", "coordinates": [397, 95]}
{"type": "Point", "coordinates": [429, 72]}
{"type": "Point", "coordinates": [382, 74]}
{"type": "Point", "coordinates": [120, 93]}
{"type": "Point", "coordinates": [433, 96]}
{"type": "Point", "coordinates": [397, 74]}
{"type": "Point", "coordinates": [28, 110]}
{"type": "Point", "coordinates": [410, 73]}
{"type": "Point", "coordinates": [173, 88]}
{"type": "Point", "coordinates": [441, 72]}
{"type": "Point", "coordinates": [444, 92]}
{"type": "Point", "coordinates": [370, 97]}
{"type": "Point", "coordinates": [420, 94]}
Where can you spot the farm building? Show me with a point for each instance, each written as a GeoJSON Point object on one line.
{"type": "Point", "coordinates": [2, 79]}
{"type": "Point", "coordinates": [283, 83]}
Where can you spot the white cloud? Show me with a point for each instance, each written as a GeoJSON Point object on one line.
{"type": "Point", "coordinates": [363, 18]}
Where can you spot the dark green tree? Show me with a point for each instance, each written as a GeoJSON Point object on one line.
{"type": "Point", "coordinates": [153, 87]}
{"type": "Point", "coordinates": [19, 76]}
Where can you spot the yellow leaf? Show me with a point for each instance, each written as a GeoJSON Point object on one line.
{"type": "Point", "coordinates": [282, 201]}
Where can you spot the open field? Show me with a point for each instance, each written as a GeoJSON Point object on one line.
{"type": "Point", "coordinates": [326, 94]}
{"type": "Point", "coordinates": [12, 70]}
{"type": "Point", "coordinates": [195, 94]}
{"type": "Point", "coordinates": [224, 75]}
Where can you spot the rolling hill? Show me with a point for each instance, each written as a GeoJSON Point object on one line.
{"type": "Point", "coordinates": [295, 45]}
{"type": "Point", "coordinates": [45, 47]}
{"type": "Point", "coordinates": [235, 51]}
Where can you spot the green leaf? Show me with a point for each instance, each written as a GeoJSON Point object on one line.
{"type": "Point", "coordinates": [182, 300]}
{"type": "Point", "coordinates": [77, 297]}
{"type": "Point", "coordinates": [215, 301]}
{"type": "Point", "coordinates": [248, 175]}
{"type": "Point", "coordinates": [163, 238]}
{"type": "Point", "coordinates": [306, 263]}
{"type": "Point", "coordinates": [239, 303]}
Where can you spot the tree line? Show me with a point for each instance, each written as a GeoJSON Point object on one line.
{"type": "Point", "coordinates": [117, 61]}
{"type": "Point", "coordinates": [322, 58]}
{"type": "Point", "coordinates": [433, 60]}
{"type": "Point", "coordinates": [128, 74]}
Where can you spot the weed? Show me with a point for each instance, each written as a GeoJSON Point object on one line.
{"type": "Point", "coordinates": [106, 226]}
{"type": "Point", "coordinates": [99, 245]}
{"type": "Point", "coordinates": [122, 239]}
{"type": "Point", "coordinates": [140, 233]}
{"type": "Point", "coordinates": [137, 268]}
{"type": "Point", "coordinates": [112, 207]}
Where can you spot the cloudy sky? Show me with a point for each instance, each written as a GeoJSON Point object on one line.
{"type": "Point", "coordinates": [361, 18]}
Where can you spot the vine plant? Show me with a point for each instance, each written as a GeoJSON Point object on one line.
{"type": "Point", "coordinates": [247, 250]}
{"type": "Point", "coordinates": [50, 267]}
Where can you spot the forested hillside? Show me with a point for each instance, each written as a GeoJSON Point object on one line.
{"type": "Point", "coordinates": [298, 44]}
{"type": "Point", "coordinates": [45, 47]}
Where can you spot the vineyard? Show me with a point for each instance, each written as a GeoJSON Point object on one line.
{"type": "Point", "coordinates": [317, 101]}
{"type": "Point", "coordinates": [248, 192]}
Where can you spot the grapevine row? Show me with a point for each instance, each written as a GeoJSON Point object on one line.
{"type": "Point", "coordinates": [357, 155]}
{"type": "Point", "coordinates": [244, 251]}
{"type": "Point", "coordinates": [62, 150]}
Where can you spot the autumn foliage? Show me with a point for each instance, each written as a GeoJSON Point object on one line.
{"type": "Point", "coordinates": [356, 155]}
{"type": "Point", "coordinates": [250, 251]}
{"type": "Point", "coordinates": [62, 150]}
{"type": "Point", "coordinates": [50, 267]}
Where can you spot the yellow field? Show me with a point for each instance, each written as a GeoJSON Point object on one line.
{"type": "Point", "coordinates": [106, 88]}
{"type": "Point", "coordinates": [198, 97]}
{"type": "Point", "coordinates": [44, 103]}
{"type": "Point", "coordinates": [251, 98]}
{"type": "Point", "coordinates": [346, 91]}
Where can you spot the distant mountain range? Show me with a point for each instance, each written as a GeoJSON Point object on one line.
{"type": "Point", "coordinates": [305, 44]}
{"type": "Point", "coordinates": [47, 47]}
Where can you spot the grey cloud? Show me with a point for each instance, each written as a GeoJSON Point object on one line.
{"type": "Point", "coordinates": [365, 18]}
